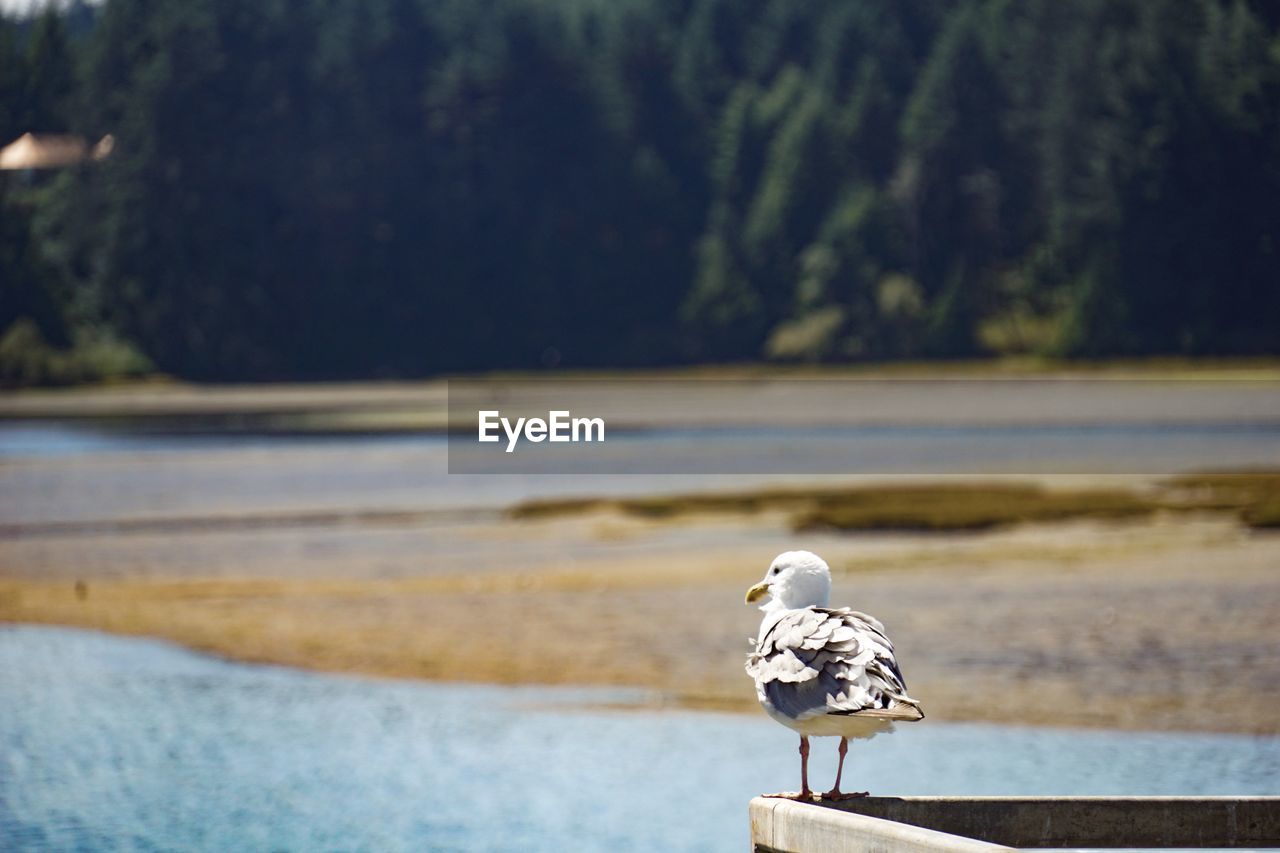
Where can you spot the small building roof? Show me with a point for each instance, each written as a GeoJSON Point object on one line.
{"type": "Point", "coordinates": [51, 151]}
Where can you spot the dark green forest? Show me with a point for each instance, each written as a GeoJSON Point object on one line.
{"type": "Point", "coordinates": [379, 188]}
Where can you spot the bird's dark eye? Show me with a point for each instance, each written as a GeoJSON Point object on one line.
{"type": "Point", "coordinates": [775, 570]}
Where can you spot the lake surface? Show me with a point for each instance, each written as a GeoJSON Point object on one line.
{"type": "Point", "coordinates": [78, 472]}
{"type": "Point", "coordinates": [111, 743]}
{"type": "Point", "coordinates": [1049, 447]}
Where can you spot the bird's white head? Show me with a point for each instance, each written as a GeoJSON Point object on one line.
{"type": "Point", "coordinates": [795, 579]}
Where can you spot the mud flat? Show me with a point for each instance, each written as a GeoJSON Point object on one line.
{"type": "Point", "coordinates": [1155, 624]}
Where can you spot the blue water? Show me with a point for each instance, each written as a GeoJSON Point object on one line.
{"type": "Point", "coordinates": [21, 439]}
{"type": "Point", "coordinates": [91, 472]}
{"type": "Point", "coordinates": [110, 743]}
{"type": "Point", "coordinates": [1140, 447]}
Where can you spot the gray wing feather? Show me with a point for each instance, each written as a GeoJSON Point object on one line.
{"type": "Point", "coordinates": [820, 661]}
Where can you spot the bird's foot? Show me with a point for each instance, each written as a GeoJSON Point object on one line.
{"type": "Point", "coordinates": [802, 796]}
{"type": "Point", "coordinates": [836, 796]}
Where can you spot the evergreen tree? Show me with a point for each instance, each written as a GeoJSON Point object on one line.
{"type": "Point", "coordinates": [403, 187]}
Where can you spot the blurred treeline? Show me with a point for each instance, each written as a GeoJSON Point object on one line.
{"type": "Point", "coordinates": [347, 188]}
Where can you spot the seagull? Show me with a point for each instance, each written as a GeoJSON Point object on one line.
{"type": "Point", "coordinates": [823, 672]}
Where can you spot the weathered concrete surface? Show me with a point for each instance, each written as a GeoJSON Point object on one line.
{"type": "Point", "coordinates": [784, 826]}
{"type": "Point", "coordinates": [1086, 821]}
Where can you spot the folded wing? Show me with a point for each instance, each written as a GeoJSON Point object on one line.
{"type": "Point", "coordinates": [821, 661]}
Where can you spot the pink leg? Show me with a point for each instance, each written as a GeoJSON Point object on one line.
{"type": "Point", "coordinates": [804, 768]}
{"type": "Point", "coordinates": [805, 793]}
{"type": "Point", "coordinates": [834, 793]}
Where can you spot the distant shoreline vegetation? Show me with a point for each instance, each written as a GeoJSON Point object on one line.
{"type": "Point", "coordinates": [1254, 497]}
{"type": "Point", "coordinates": [362, 189]}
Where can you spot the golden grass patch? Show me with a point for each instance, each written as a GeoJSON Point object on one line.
{"type": "Point", "coordinates": [939, 507]}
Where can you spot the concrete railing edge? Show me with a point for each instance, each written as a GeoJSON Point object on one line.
{"type": "Point", "coordinates": [958, 823]}
{"type": "Point", "coordinates": [786, 826]}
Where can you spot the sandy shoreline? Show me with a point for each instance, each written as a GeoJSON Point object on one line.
{"type": "Point", "coordinates": [1088, 624]}
{"type": "Point", "coordinates": [743, 394]}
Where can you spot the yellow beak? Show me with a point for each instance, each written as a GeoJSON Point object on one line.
{"type": "Point", "coordinates": [757, 592]}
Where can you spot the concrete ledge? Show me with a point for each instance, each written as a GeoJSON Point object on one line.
{"type": "Point", "coordinates": [983, 823]}
{"type": "Point", "coordinates": [784, 826]}
{"type": "Point", "coordinates": [1088, 821]}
